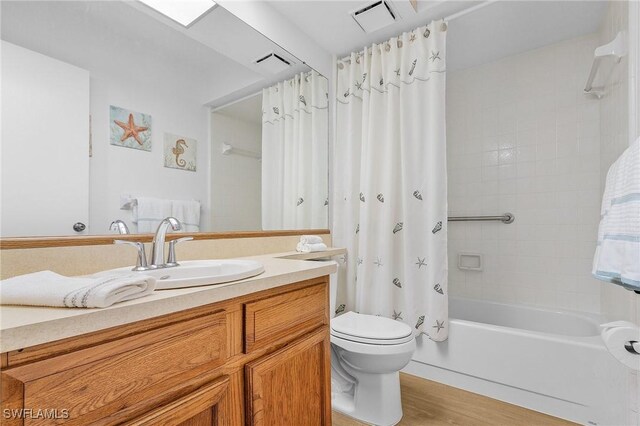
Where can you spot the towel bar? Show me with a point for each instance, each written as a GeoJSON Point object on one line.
{"type": "Point", "coordinates": [505, 218]}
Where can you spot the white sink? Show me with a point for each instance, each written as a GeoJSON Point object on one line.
{"type": "Point", "coordinates": [192, 273]}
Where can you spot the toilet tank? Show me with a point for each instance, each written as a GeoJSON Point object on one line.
{"type": "Point", "coordinates": [333, 290]}
{"type": "Point", "coordinates": [333, 293]}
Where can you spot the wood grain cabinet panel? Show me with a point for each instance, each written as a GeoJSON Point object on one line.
{"type": "Point", "coordinates": [199, 408]}
{"type": "Point", "coordinates": [261, 358]}
{"type": "Point", "coordinates": [292, 386]}
{"type": "Point", "coordinates": [285, 316]}
{"type": "Point", "coordinates": [100, 381]}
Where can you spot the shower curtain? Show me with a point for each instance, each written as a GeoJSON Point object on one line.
{"type": "Point", "coordinates": [295, 153]}
{"type": "Point", "coordinates": [390, 181]}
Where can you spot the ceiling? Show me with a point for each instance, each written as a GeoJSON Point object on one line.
{"type": "Point", "coordinates": [497, 30]}
{"type": "Point", "coordinates": [210, 62]}
{"type": "Point", "coordinates": [248, 109]}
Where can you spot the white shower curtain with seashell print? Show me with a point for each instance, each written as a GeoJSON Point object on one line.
{"type": "Point", "coordinates": [390, 181]}
{"type": "Point", "coordinates": [295, 153]}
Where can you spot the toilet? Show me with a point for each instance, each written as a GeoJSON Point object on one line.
{"type": "Point", "coordinates": [367, 353]}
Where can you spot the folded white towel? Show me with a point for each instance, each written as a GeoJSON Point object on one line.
{"type": "Point", "coordinates": [310, 248]}
{"type": "Point", "coordinates": [617, 257]}
{"type": "Point", "coordinates": [46, 288]}
{"type": "Point", "coordinates": [310, 239]}
{"type": "Point", "coordinates": [188, 213]}
{"type": "Point", "coordinates": [149, 212]}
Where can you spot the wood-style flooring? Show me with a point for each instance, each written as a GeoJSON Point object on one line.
{"type": "Point", "coordinates": [427, 403]}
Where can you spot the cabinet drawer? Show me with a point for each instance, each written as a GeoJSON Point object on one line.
{"type": "Point", "coordinates": [286, 316]}
{"type": "Point", "coordinates": [128, 374]}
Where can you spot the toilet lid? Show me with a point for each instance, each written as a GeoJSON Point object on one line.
{"type": "Point", "coordinates": [370, 327]}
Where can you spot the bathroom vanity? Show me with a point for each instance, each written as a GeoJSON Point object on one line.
{"type": "Point", "coordinates": [251, 352]}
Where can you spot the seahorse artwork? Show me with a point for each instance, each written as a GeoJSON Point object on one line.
{"type": "Point", "coordinates": [178, 151]}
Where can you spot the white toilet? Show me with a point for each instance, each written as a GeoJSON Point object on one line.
{"type": "Point", "coordinates": [367, 352]}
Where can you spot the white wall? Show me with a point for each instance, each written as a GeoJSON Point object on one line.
{"type": "Point", "coordinates": [615, 139]}
{"type": "Point", "coordinates": [45, 144]}
{"type": "Point", "coordinates": [235, 179]}
{"type": "Point", "coordinates": [116, 170]}
{"type": "Point", "coordinates": [616, 302]}
{"type": "Point", "coordinates": [523, 138]}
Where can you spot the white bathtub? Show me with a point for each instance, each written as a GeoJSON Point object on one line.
{"type": "Point", "coordinates": [549, 361]}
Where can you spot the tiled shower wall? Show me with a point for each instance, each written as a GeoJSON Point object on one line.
{"type": "Point", "coordinates": [616, 302]}
{"type": "Point", "coordinates": [614, 133]}
{"type": "Point", "coordinates": [523, 138]}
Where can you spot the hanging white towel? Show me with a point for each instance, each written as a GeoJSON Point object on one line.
{"type": "Point", "coordinates": [188, 213]}
{"type": "Point", "coordinates": [617, 257]}
{"type": "Point", "coordinates": [149, 212]}
{"type": "Point", "coordinates": [46, 288]}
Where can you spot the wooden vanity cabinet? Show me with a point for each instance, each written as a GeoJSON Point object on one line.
{"type": "Point", "coordinates": [260, 359]}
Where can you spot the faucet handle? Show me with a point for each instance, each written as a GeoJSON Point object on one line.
{"type": "Point", "coordinates": [141, 265]}
{"type": "Point", "coordinates": [171, 258]}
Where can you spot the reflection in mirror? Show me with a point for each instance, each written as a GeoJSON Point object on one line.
{"type": "Point", "coordinates": [112, 111]}
{"type": "Point", "coordinates": [280, 134]}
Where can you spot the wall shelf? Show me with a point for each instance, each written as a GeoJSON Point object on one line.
{"type": "Point", "coordinates": [615, 50]}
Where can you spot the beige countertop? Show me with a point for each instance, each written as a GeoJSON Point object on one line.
{"type": "Point", "coordinates": [24, 326]}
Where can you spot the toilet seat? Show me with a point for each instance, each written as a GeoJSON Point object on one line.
{"type": "Point", "coordinates": [370, 329]}
{"type": "Point", "coordinates": [366, 341]}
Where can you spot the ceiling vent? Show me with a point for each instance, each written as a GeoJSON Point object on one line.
{"type": "Point", "coordinates": [272, 63]}
{"type": "Point", "coordinates": [374, 16]}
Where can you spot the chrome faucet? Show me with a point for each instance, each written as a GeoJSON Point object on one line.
{"type": "Point", "coordinates": [120, 226]}
{"type": "Point", "coordinates": [157, 252]}
{"type": "Point", "coordinates": [141, 265]}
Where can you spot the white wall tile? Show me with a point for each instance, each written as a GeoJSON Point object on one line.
{"type": "Point", "coordinates": [534, 151]}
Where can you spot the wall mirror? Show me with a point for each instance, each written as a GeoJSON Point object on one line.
{"type": "Point", "coordinates": [112, 111]}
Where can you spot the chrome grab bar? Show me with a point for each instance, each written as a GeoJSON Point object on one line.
{"type": "Point", "coordinates": [505, 218]}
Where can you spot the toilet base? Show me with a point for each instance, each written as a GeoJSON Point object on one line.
{"type": "Point", "coordinates": [375, 399]}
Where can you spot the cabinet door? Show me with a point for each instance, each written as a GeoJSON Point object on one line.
{"type": "Point", "coordinates": [292, 386]}
{"type": "Point", "coordinates": [199, 408]}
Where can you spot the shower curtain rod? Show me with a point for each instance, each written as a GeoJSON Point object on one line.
{"type": "Point", "coordinates": [468, 10]}
{"type": "Point", "coordinates": [446, 19]}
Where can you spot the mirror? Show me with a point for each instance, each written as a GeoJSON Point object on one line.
{"type": "Point", "coordinates": [114, 111]}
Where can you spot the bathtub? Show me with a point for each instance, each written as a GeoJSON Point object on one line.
{"type": "Point", "coordinates": [550, 361]}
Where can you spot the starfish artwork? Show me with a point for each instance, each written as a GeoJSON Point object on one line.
{"type": "Point", "coordinates": [130, 129]}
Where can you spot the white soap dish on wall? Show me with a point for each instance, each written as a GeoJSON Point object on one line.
{"type": "Point", "coordinates": [470, 261]}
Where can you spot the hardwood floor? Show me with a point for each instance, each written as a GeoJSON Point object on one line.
{"type": "Point", "coordinates": [430, 403]}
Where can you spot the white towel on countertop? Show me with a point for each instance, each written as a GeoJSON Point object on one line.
{"type": "Point", "coordinates": [149, 212]}
{"type": "Point", "coordinates": [46, 288]}
{"type": "Point", "coordinates": [188, 213]}
{"type": "Point", "coordinates": [311, 239]}
{"type": "Point", "coordinates": [311, 248]}
{"type": "Point", "coordinates": [617, 257]}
